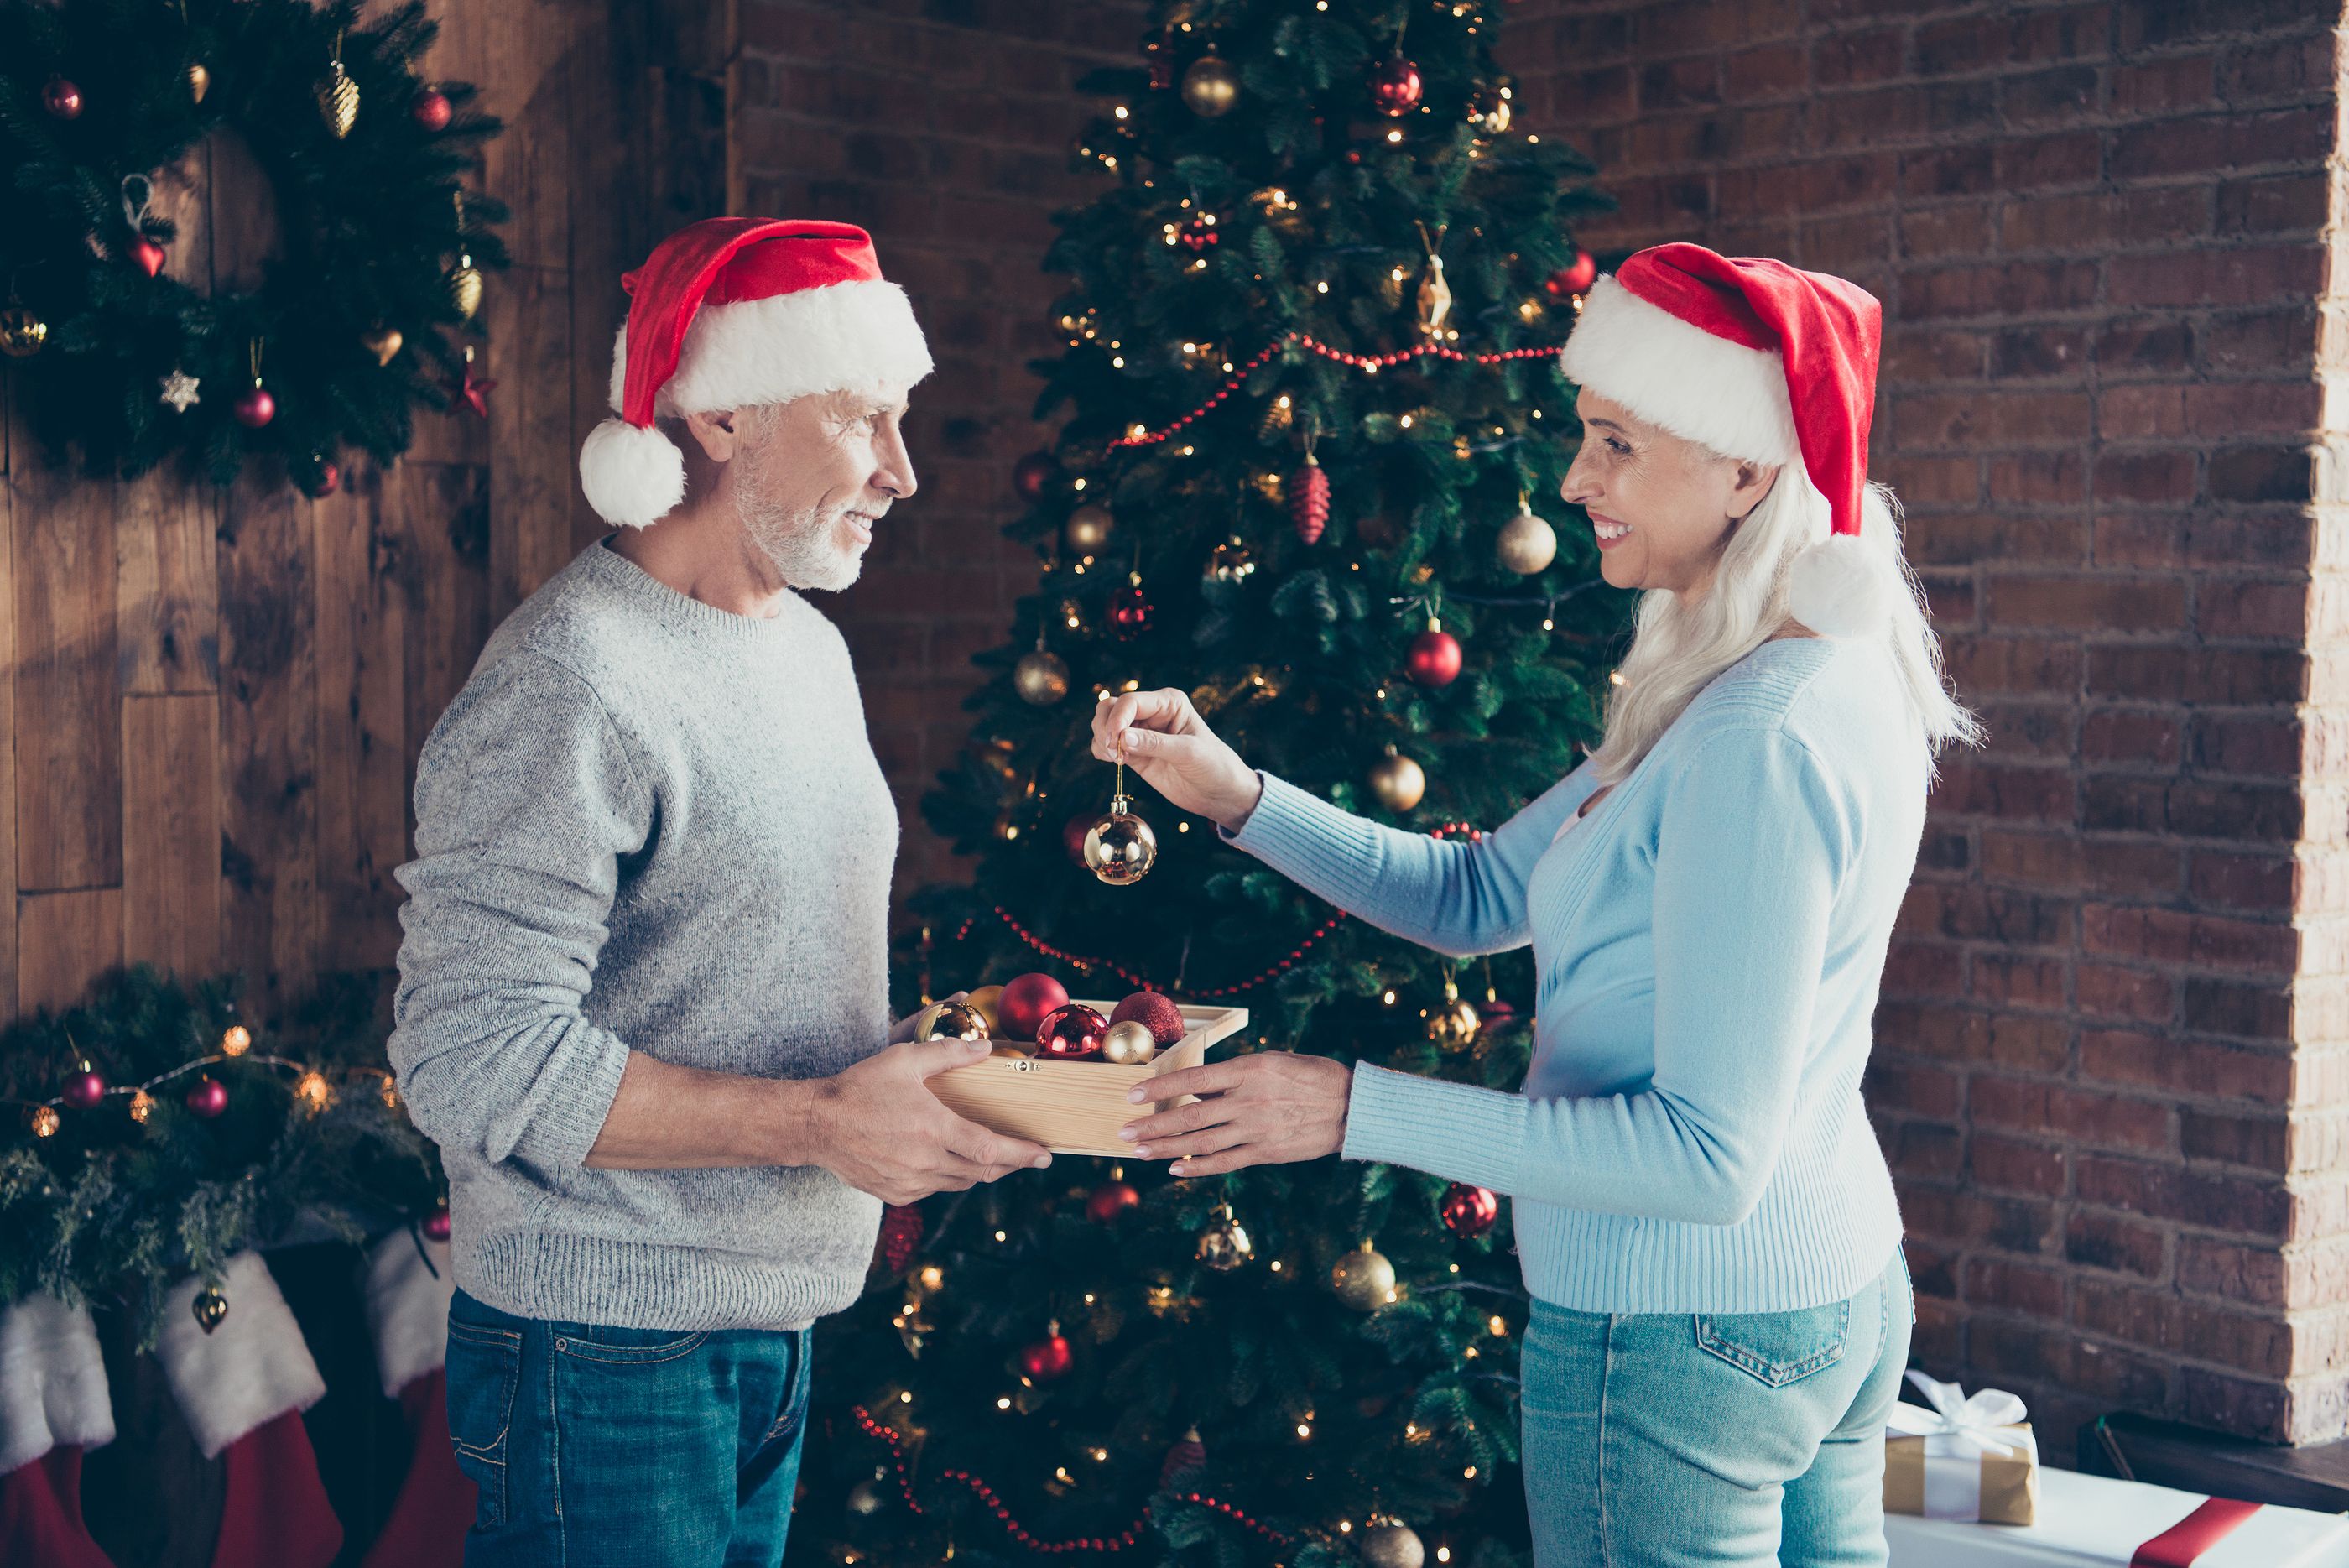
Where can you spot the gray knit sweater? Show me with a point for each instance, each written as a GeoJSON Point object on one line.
{"type": "Point", "coordinates": [644, 825]}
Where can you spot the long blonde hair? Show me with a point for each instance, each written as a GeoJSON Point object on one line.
{"type": "Point", "coordinates": [1681, 641]}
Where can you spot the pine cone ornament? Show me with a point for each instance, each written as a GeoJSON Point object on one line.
{"type": "Point", "coordinates": [1308, 500]}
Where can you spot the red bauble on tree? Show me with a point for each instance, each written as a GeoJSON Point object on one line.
{"type": "Point", "coordinates": [1071, 1033]}
{"type": "Point", "coordinates": [255, 407]}
{"type": "Point", "coordinates": [61, 98]}
{"type": "Point", "coordinates": [326, 479]}
{"type": "Point", "coordinates": [1129, 609]}
{"type": "Point", "coordinates": [1110, 1200]}
{"type": "Point", "coordinates": [1034, 474]}
{"type": "Point", "coordinates": [901, 1237]}
{"type": "Point", "coordinates": [1198, 233]}
{"type": "Point", "coordinates": [1469, 1210]}
{"type": "Point", "coordinates": [84, 1089]}
{"type": "Point", "coordinates": [1025, 1002]}
{"type": "Point", "coordinates": [1308, 500]}
{"type": "Point", "coordinates": [209, 1098]}
{"type": "Point", "coordinates": [430, 109]}
{"type": "Point", "coordinates": [1048, 1359]}
{"type": "Point", "coordinates": [1434, 658]}
{"type": "Point", "coordinates": [1395, 86]}
{"type": "Point", "coordinates": [1568, 280]}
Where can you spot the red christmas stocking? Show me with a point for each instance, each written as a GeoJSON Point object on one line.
{"type": "Point", "coordinates": [407, 1289]}
{"type": "Point", "coordinates": [243, 1387]}
{"type": "Point", "coordinates": [54, 1408]}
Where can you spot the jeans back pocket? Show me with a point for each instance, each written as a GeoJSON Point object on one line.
{"type": "Point", "coordinates": [1777, 1347]}
{"type": "Point", "coordinates": [484, 1368]}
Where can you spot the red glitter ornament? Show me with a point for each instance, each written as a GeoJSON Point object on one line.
{"type": "Point", "coordinates": [436, 1225]}
{"type": "Point", "coordinates": [61, 98]}
{"type": "Point", "coordinates": [1308, 500]}
{"type": "Point", "coordinates": [1568, 280]}
{"type": "Point", "coordinates": [255, 407]}
{"type": "Point", "coordinates": [209, 1098]}
{"type": "Point", "coordinates": [147, 256]}
{"type": "Point", "coordinates": [84, 1089]}
{"type": "Point", "coordinates": [1395, 86]}
{"type": "Point", "coordinates": [1048, 1359]}
{"type": "Point", "coordinates": [1025, 1002]}
{"type": "Point", "coordinates": [1071, 1033]}
{"type": "Point", "coordinates": [1469, 1210]}
{"type": "Point", "coordinates": [901, 1236]}
{"type": "Point", "coordinates": [1434, 658]}
{"type": "Point", "coordinates": [1156, 1012]}
{"type": "Point", "coordinates": [430, 109]}
{"type": "Point", "coordinates": [1110, 1200]}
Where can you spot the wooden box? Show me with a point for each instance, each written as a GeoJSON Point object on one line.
{"type": "Point", "coordinates": [1075, 1107]}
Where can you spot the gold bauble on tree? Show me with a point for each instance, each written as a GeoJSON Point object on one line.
{"type": "Point", "coordinates": [337, 95]}
{"type": "Point", "coordinates": [464, 284]}
{"type": "Point", "coordinates": [1388, 1544]}
{"type": "Point", "coordinates": [209, 1308]}
{"type": "Point", "coordinates": [1087, 529]}
{"type": "Point", "coordinates": [1210, 87]}
{"type": "Point", "coordinates": [1527, 545]}
{"type": "Point", "coordinates": [22, 333]}
{"type": "Point", "coordinates": [1224, 1245]}
{"type": "Point", "coordinates": [1455, 1023]}
{"type": "Point", "coordinates": [200, 81]}
{"type": "Point", "coordinates": [1492, 109]}
{"type": "Point", "coordinates": [1398, 781]}
{"type": "Point", "coordinates": [1040, 678]}
{"type": "Point", "coordinates": [1363, 1279]}
{"type": "Point", "coordinates": [1230, 562]}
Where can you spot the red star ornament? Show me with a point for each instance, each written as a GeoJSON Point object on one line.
{"type": "Point", "coordinates": [472, 390]}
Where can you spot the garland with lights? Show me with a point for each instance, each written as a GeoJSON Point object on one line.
{"type": "Point", "coordinates": [110, 1191]}
{"type": "Point", "coordinates": [353, 325]}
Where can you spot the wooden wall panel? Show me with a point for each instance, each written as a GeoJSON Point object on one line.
{"type": "Point", "coordinates": [172, 832]}
{"type": "Point", "coordinates": [65, 940]}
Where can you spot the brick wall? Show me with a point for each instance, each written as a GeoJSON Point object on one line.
{"type": "Point", "coordinates": [2107, 1070]}
{"type": "Point", "coordinates": [944, 126]}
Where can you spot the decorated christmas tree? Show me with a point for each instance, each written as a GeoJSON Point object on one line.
{"type": "Point", "coordinates": [1311, 408]}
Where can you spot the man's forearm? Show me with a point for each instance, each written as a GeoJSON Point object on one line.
{"type": "Point", "coordinates": [668, 1118]}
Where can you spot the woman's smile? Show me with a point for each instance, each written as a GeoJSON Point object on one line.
{"type": "Point", "coordinates": [1610, 533]}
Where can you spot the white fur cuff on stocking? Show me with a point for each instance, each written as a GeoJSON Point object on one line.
{"type": "Point", "coordinates": [53, 1391]}
{"type": "Point", "coordinates": [253, 1367]}
{"type": "Point", "coordinates": [409, 1287]}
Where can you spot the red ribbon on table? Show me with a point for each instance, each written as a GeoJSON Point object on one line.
{"type": "Point", "coordinates": [2182, 1543]}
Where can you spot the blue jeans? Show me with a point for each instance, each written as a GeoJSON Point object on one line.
{"type": "Point", "coordinates": [1668, 1440]}
{"type": "Point", "coordinates": [621, 1445]}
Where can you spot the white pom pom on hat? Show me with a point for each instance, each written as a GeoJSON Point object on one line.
{"type": "Point", "coordinates": [732, 313]}
{"type": "Point", "coordinates": [1763, 362]}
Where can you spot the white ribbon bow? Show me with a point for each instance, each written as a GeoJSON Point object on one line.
{"type": "Point", "coordinates": [1958, 1430]}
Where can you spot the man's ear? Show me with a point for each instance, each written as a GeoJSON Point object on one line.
{"type": "Point", "coordinates": [719, 432]}
{"type": "Point", "coordinates": [1753, 483]}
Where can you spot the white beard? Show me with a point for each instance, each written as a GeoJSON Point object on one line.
{"type": "Point", "coordinates": [799, 541]}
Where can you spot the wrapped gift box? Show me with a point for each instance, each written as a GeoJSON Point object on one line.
{"type": "Point", "coordinates": [1969, 1456]}
{"type": "Point", "coordinates": [2089, 1521]}
{"type": "Point", "coordinates": [1075, 1107]}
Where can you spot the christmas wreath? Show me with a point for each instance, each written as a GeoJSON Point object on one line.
{"type": "Point", "coordinates": [360, 317]}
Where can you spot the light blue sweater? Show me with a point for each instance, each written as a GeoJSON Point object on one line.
{"type": "Point", "coordinates": [1708, 942]}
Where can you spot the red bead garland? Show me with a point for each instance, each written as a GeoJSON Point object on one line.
{"type": "Point", "coordinates": [1134, 977]}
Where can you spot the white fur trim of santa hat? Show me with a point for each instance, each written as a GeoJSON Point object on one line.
{"type": "Point", "coordinates": [1721, 395]}
{"type": "Point", "coordinates": [1843, 586]}
{"type": "Point", "coordinates": [409, 1287]}
{"type": "Point", "coordinates": [52, 1390]}
{"type": "Point", "coordinates": [252, 1368]}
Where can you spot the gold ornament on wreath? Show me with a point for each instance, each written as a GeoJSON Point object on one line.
{"type": "Point", "coordinates": [210, 1308]}
{"type": "Point", "coordinates": [1120, 849]}
{"type": "Point", "coordinates": [1363, 1279]}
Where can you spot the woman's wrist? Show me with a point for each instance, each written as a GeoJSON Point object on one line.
{"type": "Point", "coordinates": [1246, 791]}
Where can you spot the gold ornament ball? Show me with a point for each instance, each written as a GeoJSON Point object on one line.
{"type": "Point", "coordinates": [1129, 1044]}
{"type": "Point", "coordinates": [22, 333]}
{"type": "Point", "coordinates": [1040, 678]}
{"type": "Point", "coordinates": [464, 282]}
{"type": "Point", "coordinates": [200, 81]}
{"type": "Point", "coordinates": [338, 101]}
{"type": "Point", "coordinates": [1492, 109]}
{"type": "Point", "coordinates": [1364, 1281]}
{"type": "Point", "coordinates": [1230, 562]}
{"type": "Point", "coordinates": [1087, 529]}
{"type": "Point", "coordinates": [984, 1001]}
{"type": "Point", "coordinates": [1398, 781]}
{"type": "Point", "coordinates": [209, 1308]}
{"type": "Point", "coordinates": [950, 1021]}
{"type": "Point", "coordinates": [1527, 545]}
{"type": "Point", "coordinates": [1120, 849]}
{"type": "Point", "coordinates": [1391, 1545]}
{"type": "Point", "coordinates": [1210, 87]}
{"type": "Point", "coordinates": [1453, 1023]}
{"type": "Point", "coordinates": [1225, 1246]}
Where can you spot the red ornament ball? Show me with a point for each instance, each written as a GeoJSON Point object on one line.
{"type": "Point", "coordinates": [901, 1236]}
{"type": "Point", "coordinates": [1469, 1210]}
{"type": "Point", "coordinates": [1434, 658]}
{"type": "Point", "coordinates": [209, 1098]}
{"type": "Point", "coordinates": [1197, 234]}
{"type": "Point", "coordinates": [147, 256]}
{"type": "Point", "coordinates": [83, 1090]}
{"type": "Point", "coordinates": [1129, 611]}
{"type": "Point", "coordinates": [1576, 278]}
{"type": "Point", "coordinates": [61, 98]}
{"type": "Point", "coordinates": [329, 478]}
{"type": "Point", "coordinates": [1048, 1360]}
{"type": "Point", "coordinates": [430, 109]}
{"type": "Point", "coordinates": [1110, 1200]}
{"type": "Point", "coordinates": [254, 408]}
{"type": "Point", "coordinates": [1071, 1033]}
{"type": "Point", "coordinates": [436, 1225]}
{"type": "Point", "coordinates": [1155, 1011]}
{"type": "Point", "coordinates": [1395, 86]}
{"type": "Point", "coordinates": [1073, 831]}
{"type": "Point", "coordinates": [1035, 474]}
{"type": "Point", "coordinates": [1024, 1003]}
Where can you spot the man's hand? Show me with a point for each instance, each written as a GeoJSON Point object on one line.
{"type": "Point", "coordinates": [878, 1127]}
{"type": "Point", "coordinates": [1270, 1109]}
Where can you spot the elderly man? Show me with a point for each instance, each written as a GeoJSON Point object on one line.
{"type": "Point", "coordinates": [662, 1173]}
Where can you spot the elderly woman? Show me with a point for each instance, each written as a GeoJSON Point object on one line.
{"type": "Point", "coordinates": [1720, 1314]}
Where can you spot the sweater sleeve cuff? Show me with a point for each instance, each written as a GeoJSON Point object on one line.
{"type": "Point", "coordinates": [565, 1113]}
{"type": "Point", "coordinates": [1457, 1131]}
{"type": "Point", "coordinates": [1310, 842]}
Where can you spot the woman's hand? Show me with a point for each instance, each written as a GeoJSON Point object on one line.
{"type": "Point", "coordinates": [1165, 740]}
{"type": "Point", "coordinates": [1270, 1109]}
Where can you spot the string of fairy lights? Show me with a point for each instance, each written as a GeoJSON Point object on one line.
{"type": "Point", "coordinates": [86, 1089]}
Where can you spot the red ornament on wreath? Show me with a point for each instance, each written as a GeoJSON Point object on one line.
{"type": "Point", "coordinates": [1573, 279]}
{"type": "Point", "coordinates": [1110, 1200]}
{"type": "Point", "coordinates": [430, 109]}
{"type": "Point", "coordinates": [1024, 1002]}
{"type": "Point", "coordinates": [1468, 1211]}
{"type": "Point", "coordinates": [147, 256]}
{"type": "Point", "coordinates": [62, 98]}
{"type": "Point", "coordinates": [209, 1098]}
{"type": "Point", "coordinates": [1071, 1033]}
{"type": "Point", "coordinates": [255, 407]}
{"type": "Point", "coordinates": [84, 1089]}
{"type": "Point", "coordinates": [1395, 86]}
{"type": "Point", "coordinates": [1034, 474]}
{"type": "Point", "coordinates": [1048, 1359]}
{"type": "Point", "coordinates": [1308, 499]}
{"type": "Point", "coordinates": [328, 479]}
{"type": "Point", "coordinates": [1129, 609]}
{"type": "Point", "coordinates": [1434, 658]}
{"type": "Point", "coordinates": [901, 1236]}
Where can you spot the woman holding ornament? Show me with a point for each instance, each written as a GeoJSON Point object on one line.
{"type": "Point", "coordinates": [1720, 1314]}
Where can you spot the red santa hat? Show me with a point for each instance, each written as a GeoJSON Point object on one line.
{"type": "Point", "coordinates": [729, 313]}
{"type": "Point", "coordinates": [1759, 361]}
